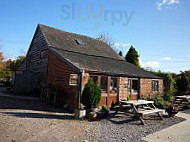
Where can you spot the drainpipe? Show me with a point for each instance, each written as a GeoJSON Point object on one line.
{"type": "Point", "coordinates": [80, 74]}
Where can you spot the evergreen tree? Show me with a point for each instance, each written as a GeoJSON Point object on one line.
{"type": "Point", "coordinates": [91, 95]}
{"type": "Point", "coordinates": [182, 82]}
{"type": "Point", "coordinates": [120, 53]}
{"type": "Point", "coordinates": [132, 56]}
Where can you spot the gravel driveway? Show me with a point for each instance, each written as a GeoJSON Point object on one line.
{"type": "Point", "coordinates": [32, 121]}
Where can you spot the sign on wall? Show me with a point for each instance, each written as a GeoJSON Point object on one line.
{"type": "Point", "coordinates": [73, 81]}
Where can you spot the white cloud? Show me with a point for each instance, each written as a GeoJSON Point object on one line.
{"type": "Point", "coordinates": [121, 44]}
{"type": "Point", "coordinates": [151, 64]}
{"type": "Point", "coordinates": [167, 58]}
{"type": "Point", "coordinates": [188, 55]}
{"type": "Point", "coordinates": [166, 3]}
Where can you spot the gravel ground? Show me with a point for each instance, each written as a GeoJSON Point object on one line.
{"type": "Point", "coordinates": [29, 120]}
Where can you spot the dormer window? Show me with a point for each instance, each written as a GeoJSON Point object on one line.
{"type": "Point", "coordinates": [80, 42]}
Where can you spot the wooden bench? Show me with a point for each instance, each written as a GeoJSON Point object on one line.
{"type": "Point", "coordinates": [139, 109]}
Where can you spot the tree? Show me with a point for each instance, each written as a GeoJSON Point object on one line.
{"type": "Point", "coordinates": [1, 61]}
{"type": "Point", "coordinates": [182, 82]}
{"type": "Point", "coordinates": [91, 95]}
{"type": "Point", "coordinates": [169, 81]}
{"type": "Point", "coordinates": [132, 56]}
{"type": "Point", "coordinates": [14, 64]}
{"type": "Point", "coordinates": [105, 37]}
{"type": "Point", "coordinates": [120, 53]}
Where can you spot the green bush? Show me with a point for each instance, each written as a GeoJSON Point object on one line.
{"type": "Point", "coordinates": [168, 96]}
{"type": "Point", "coordinates": [159, 101]}
{"type": "Point", "coordinates": [91, 95]}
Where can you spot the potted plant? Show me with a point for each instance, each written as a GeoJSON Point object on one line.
{"type": "Point", "coordinates": [103, 113]}
{"type": "Point", "coordinates": [172, 110]}
{"type": "Point", "coordinates": [91, 96]}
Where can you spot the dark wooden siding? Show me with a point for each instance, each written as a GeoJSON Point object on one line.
{"type": "Point", "coordinates": [33, 66]}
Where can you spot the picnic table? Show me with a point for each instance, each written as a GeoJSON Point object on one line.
{"type": "Point", "coordinates": [182, 100]}
{"type": "Point", "coordinates": [139, 108]}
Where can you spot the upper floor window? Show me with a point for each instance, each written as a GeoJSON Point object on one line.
{"type": "Point", "coordinates": [80, 42]}
{"type": "Point", "coordinates": [42, 53]}
{"type": "Point", "coordinates": [154, 85]}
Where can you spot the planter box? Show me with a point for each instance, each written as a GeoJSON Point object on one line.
{"type": "Point", "coordinates": [80, 113]}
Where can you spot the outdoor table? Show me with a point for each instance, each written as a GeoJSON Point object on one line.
{"type": "Point", "coordinates": [185, 99]}
{"type": "Point", "coordinates": [140, 108]}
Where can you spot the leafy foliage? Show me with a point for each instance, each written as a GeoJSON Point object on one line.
{"type": "Point", "coordinates": [182, 82]}
{"type": "Point", "coordinates": [91, 95]}
{"type": "Point", "coordinates": [169, 81]}
{"type": "Point", "coordinates": [132, 56]}
{"type": "Point", "coordinates": [158, 101]}
{"type": "Point", "coordinates": [14, 64]}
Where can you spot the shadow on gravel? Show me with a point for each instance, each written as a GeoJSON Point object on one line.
{"type": "Point", "coordinates": [132, 120]}
{"type": "Point", "coordinates": [25, 104]}
{"type": "Point", "coordinates": [39, 115]}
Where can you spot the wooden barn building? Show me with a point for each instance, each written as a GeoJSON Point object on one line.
{"type": "Point", "coordinates": [68, 60]}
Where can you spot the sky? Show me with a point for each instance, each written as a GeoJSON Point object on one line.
{"type": "Point", "coordinates": [158, 29]}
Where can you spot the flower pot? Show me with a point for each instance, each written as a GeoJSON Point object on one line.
{"type": "Point", "coordinates": [171, 114]}
{"type": "Point", "coordinates": [80, 113]}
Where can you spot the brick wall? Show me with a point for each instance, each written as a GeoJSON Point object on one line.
{"type": "Point", "coordinates": [59, 73]}
{"type": "Point", "coordinates": [123, 90]}
{"type": "Point", "coordinates": [85, 78]}
{"type": "Point", "coordinates": [146, 88]}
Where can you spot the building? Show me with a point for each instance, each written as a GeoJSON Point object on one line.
{"type": "Point", "coordinates": [68, 60]}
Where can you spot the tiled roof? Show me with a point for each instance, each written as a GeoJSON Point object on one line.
{"type": "Point", "coordinates": [91, 55]}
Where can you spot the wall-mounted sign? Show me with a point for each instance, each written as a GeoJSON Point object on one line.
{"type": "Point", "coordinates": [73, 81]}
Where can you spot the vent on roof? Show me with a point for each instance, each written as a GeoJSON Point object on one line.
{"type": "Point", "coordinates": [80, 42]}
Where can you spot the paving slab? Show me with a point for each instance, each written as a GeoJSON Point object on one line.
{"type": "Point", "coordinates": [176, 133]}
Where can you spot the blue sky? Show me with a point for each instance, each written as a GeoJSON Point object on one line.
{"type": "Point", "coordinates": [158, 29]}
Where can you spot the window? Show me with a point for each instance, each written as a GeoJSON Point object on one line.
{"type": "Point", "coordinates": [80, 42]}
{"type": "Point", "coordinates": [42, 53]}
{"type": "Point", "coordinates": [94, 78]}
{"type": "Point", "coordinates": [104, 83]}
{"type": "Point", "coordinates": [133, 85]}
{"type": "Point", "coordinates": [129, 85]}
{"type": "Point", "coordinates": [154, 85]}
{"type": "Point", "coordinates": [73, 81]}
{"type": "Point", "coordinates": [113, 87]}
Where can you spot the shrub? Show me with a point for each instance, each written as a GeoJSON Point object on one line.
{"type": "Point", "coordinates": [182, 82]}
{"type": "Point", "coordinates": [158, 101]}
{"type": "Point", "coordinates": [91, 95]}
{"type": "Point", "coordinates": [168, 96]}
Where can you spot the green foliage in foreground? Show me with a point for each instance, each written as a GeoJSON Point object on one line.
{"type": "Point", "coordinates": [161, 101]}
{"type": "Point", "coordinates": [91, 95]}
